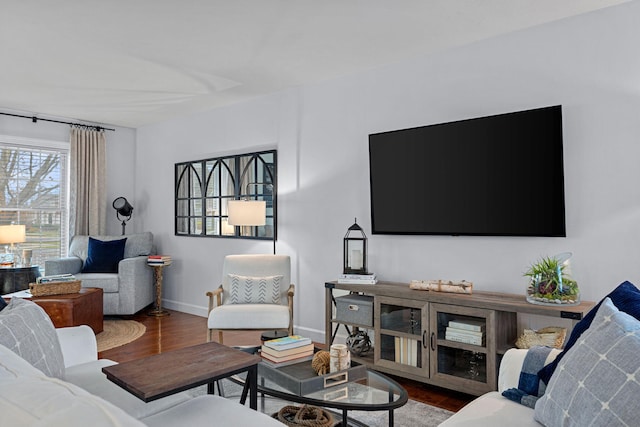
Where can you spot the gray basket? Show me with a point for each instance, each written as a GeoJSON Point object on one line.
{"type": "Point", "coordinates": [355, 309]}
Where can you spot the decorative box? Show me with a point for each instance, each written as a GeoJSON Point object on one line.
{"type": "Point", "coordinates": [355, 309]}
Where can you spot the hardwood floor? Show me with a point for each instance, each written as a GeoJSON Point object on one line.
{"type": "Point", "coordinates": [181, 330]}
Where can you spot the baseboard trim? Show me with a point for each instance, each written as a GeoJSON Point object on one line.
{"type": "Point", "coordinates": [196, 310]}
{"type": "Point", "coordinates": [315, 334]}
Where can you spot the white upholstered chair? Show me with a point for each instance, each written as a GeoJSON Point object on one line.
{"type": "Point", "coordinates": [256, 294]}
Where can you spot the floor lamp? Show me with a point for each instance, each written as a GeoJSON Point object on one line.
{"type": "Point", "coordinates": [123, 209]}
{"type": "Point", "coordinates": [253, 213]}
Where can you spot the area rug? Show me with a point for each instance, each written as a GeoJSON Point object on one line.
{"type": "Point", "coordinates": [412, 414]}
{"type": "Point", "coordinates": [119, 332]}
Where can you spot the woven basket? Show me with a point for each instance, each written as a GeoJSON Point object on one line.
{"type": "Point", "coordinates": [55, 288]}
{"type": "Point", "coordinates": [550, 336]}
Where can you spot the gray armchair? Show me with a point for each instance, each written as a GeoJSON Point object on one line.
{"type": "Point", "coordinates": [125, 292]}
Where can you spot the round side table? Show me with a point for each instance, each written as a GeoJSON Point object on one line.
{"type": "Point", "coordinates": [157, 274]}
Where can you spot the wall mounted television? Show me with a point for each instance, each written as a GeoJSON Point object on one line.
{"type": "Point", "coordinates": [499, 175]}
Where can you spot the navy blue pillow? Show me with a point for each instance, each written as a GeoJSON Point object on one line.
{"type": "Point", "coordinates": [103, 257]}
{"type": "Point", "coordinates": [626, 297]}
{"type": "Point", "coordinates": [3, 303]}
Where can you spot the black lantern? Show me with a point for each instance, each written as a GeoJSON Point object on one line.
{"type": "Point", "coordinates": [355, 250]}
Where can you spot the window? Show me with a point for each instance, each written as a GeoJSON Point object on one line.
{"type": "Point", "coordinates": [34, 182]}
{"type": "Point", "coordinates": [204, 187]}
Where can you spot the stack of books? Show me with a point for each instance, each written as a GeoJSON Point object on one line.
{"type": "Point", "coordinates": [362, 279]}
{"type": "Point", "coordinates": [56, 278]}
{"type": "Point", "coordinates": [159, 260]}
{"type": "Point", "coordinates": [466, 331]}
{"type": "Point", "coordinates": [287, 350]}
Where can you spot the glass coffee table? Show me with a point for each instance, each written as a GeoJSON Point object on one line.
{"type": "Point", "coordinates": [370, 391]}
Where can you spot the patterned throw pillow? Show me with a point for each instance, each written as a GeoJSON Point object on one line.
{"type": "Point", "coordinates": [597, 382]}
{"type": "Point", "coordinates": [254, 290]}
{"type": "Point", "coordinates": [626, 297]}
{"type": "Point", "coordinates": [27, 330]}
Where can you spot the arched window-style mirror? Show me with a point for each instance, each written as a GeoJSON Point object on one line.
{"type": "Point", "coordinates": [203, 189]}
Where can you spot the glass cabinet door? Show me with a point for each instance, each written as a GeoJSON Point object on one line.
{"type": "Point", "coordinates": [402, 334]}
{"type": "Point", "coordinates": [462, 346]}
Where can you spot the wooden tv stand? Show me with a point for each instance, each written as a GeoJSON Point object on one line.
{"type": "Point", "coordinates": [410, 325]}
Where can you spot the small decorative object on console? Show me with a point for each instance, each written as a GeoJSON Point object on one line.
{"type": "Point", "coordinates": [355, 250]}
{"type": "Point", "coordinates": [359, 343]}
{"type": "Point", "coordinates": [551, 283]}
{"type": "Point", "coordinates": [462, 287]}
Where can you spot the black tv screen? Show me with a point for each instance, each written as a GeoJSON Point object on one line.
{"type": "Point", "coordinates": [500, 175]}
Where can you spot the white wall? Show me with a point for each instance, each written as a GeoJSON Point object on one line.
{"type": "Point", "coordinates": [589, 64]}
{"type": "Point", "coordinates": [120, 158]}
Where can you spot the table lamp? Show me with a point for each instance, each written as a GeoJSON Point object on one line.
{"type": "Point", "coordinates": [10, 235]}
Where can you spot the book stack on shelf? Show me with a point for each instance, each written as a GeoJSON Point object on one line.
{"type": "Point", "coordinates": [287, 350]}
{"type": "Point", "coordinates": [466, 331]}
{"type": "Point", "coordinates": [358, 279]}
{"type": "Point", "coordinates": [406, 351]}
{"type": "Point", "coordinates": [159, 260]}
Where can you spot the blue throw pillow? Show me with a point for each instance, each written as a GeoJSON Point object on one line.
{"type": "Point", "coordinates": [103, 257]}
{"type": "Point", "coordinates": [626, 297]}
{"type": "Point", "coordinates": [3, 303]}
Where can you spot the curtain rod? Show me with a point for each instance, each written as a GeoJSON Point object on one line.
{"type": "Point", "coordinates": [35, 119]}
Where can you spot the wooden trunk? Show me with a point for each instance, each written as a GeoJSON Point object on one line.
{"type": "Point", "coordinates": [82, 308]}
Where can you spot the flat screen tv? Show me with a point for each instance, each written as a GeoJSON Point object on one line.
{"type": "Point", "coordinates": [499, 175]}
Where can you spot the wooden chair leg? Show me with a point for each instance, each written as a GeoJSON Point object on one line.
{"type": "Point", "coordinates": [220, 337]}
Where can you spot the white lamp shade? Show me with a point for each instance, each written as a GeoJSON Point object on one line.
{"type": "Point", "coordinates": [247, 212]}
{"type": "Point", "coordinates": [13, 233]}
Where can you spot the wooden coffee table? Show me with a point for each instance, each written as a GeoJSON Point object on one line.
{"type": "Point", "coordinates": [161, 375]}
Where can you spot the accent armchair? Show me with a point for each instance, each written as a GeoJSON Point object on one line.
{"type": "Point", "coordinates": [256, 294]}
{"type": "Point", "coordinates": [127, 290]}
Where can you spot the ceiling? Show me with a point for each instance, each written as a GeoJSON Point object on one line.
{"type": "Point", "coordinates": [135, 62]}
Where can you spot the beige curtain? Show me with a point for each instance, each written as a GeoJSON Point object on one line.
{"type": "Point", "coordinates": [88, 207]}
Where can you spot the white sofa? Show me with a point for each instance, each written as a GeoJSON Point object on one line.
{"type": "Point", "coordinates": [494, 410]}
{"type": "Point", "coordinates": [84, 396]}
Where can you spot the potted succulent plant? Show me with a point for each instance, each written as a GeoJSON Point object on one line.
{"type": "Point", "coordinates": [550, 282]}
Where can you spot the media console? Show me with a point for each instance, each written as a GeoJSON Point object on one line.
{"type": "Point", "coordinates": [410, 332]}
